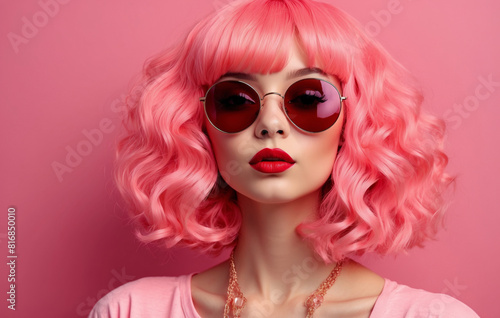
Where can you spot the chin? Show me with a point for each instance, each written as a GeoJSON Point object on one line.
{"type": "Point", "coordinates": [277, 195]}
{"type": "Point", "coordinates": [278, 189]}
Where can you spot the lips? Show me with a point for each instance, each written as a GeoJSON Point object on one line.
{"type": "Point", "coordinates": [271, 161]}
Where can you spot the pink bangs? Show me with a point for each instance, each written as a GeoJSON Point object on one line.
{"type": "Point", "coordinates": [256, 37]}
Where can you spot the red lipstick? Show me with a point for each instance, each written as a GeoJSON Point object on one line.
{"type": "Point", "coordinates": [271, 161]}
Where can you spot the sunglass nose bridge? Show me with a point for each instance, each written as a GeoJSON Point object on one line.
{"type": "Point", "coordinates": [272, 93]}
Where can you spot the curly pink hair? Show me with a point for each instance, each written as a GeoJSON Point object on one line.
{"type": "Point", "coordinates": [386, 188]}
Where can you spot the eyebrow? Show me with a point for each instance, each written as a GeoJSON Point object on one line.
{"type": "Point", "coordinates": [290, 75]}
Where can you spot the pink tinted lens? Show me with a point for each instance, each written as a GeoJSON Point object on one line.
{"type": "Point", "coordinates": [232, 106]}
{"type": "Point", "coordinates": [312, 105]}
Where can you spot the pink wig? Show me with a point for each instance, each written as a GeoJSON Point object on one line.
{"type": "Point", "coordinates": [385, 192]}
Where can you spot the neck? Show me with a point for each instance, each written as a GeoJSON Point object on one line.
{"type": "Point", "coordinates": [270, 255]}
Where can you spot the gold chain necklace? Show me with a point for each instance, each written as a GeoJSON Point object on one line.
{"type": "Point", "coordinates": [236, 301]}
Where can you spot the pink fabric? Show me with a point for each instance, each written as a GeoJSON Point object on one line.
{"type": "Point", "coordinates": [153, 297]}
{"type": "Point", "coordinates": [398, 301]}
{"type": "Point", "coordinates": [147, 298]}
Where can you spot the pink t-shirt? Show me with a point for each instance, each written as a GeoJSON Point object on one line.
{"type": "Point", "coordinates": [153, 297]}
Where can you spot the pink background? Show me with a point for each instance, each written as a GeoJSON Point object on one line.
{"type": "Point", "coordinates": [68, 78]}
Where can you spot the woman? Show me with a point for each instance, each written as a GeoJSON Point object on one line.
{"type": "Point", "coordinates": [281, 130]}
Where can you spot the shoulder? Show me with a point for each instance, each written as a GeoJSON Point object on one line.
{"type": "Point", "coordinates": [147, 297]}
{"type": "Point", "coordinates": [400, 301]}
{"type": "Point", "coordinates": [209, 290]}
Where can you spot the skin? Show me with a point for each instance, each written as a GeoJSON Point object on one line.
{"type": "Point", "coordinates": [275, 280]}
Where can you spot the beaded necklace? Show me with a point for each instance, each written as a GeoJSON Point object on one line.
{"type": "Point", "coordinates": [235, 301]}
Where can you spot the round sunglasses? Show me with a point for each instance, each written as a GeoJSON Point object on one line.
{"type": "Point", "coordinates": [312, 105]}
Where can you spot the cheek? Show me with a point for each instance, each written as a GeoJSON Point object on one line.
{"type": "Point", "coordinates": [320, 155]}
{"type": "Point", "coordinates": [229, 153]}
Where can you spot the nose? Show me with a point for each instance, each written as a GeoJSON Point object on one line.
{"type": "Point", "coordinates": [272, 121]}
